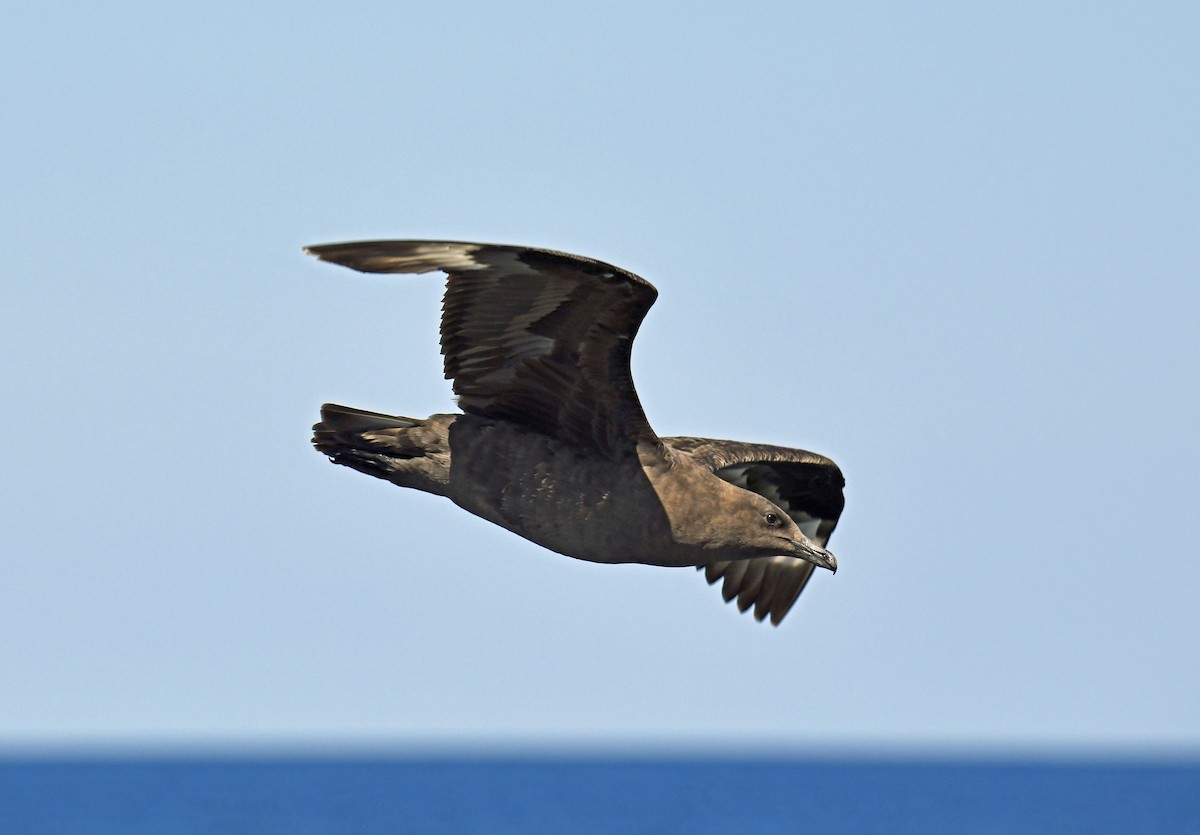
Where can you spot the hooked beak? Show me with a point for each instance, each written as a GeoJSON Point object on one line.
{"type": "Point", "coordinates": [809, 551]}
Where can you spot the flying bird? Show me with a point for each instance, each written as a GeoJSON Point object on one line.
{"type": "Point", "coordinates": [552, 442]}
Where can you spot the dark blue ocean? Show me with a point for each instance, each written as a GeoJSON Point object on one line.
{"type": "Point", "coordinates": [548, 795]}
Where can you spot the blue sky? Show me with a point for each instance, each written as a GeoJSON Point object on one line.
{"type": "Point", "coordinates": [953, 247]}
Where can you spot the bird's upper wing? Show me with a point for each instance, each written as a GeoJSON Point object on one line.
{"type": "Point", "coordinates": [806, 486]}
{"type": "Point", "coordinates": [532, 336]}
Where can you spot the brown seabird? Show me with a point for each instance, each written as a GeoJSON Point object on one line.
{"type": "Point", "coordinates": [553, 444]}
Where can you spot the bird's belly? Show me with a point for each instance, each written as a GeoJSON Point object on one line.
{"type": "Point", "coordinates": [582, 506]}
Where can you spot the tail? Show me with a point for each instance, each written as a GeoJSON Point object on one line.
{"type": "Point", "coordinates": [342, 427]}
{"type": "Point", "coordinates": [405, 451]}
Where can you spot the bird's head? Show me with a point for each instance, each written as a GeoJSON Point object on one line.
{"type": "Point", "coordinates": [733, 523]}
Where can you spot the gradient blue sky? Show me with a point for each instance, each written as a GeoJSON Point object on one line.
{"type": "Point", "coordinates": [954, 246]}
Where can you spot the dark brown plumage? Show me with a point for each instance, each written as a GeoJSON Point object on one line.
{"type": "Point", "coordinates": [553, 443]}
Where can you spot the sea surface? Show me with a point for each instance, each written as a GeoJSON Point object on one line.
{"type": "Point", "coordinates": [564, 795]}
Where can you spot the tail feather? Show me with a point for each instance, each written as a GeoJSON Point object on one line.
{"type": "Point", "coordinates": [405, 451]}
{"type": "Point", "coordinates": [349, 419]}
{"type": "Point", "coordinates": [343, 429]}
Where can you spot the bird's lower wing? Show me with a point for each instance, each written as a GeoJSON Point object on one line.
{"type": "Point", "coordinates": [769, 584]}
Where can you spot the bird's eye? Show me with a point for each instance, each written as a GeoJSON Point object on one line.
{"type": "Point", "coordinates": [773, 520]}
